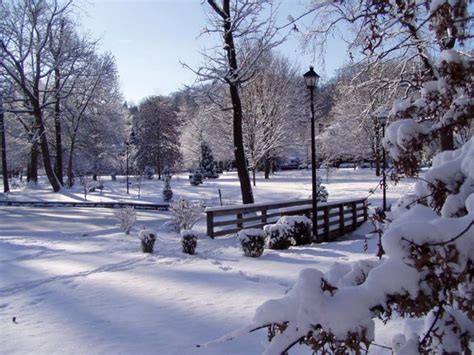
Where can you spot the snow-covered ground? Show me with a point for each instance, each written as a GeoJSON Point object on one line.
{"type": "Point", "coordinates": [285, 185]}
{"type": "Point", "coordinates": [76, 284]}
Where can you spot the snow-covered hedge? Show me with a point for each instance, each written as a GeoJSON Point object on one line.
{"type": "Point", "coordinates": [252, 241]}
{"type": "Point", "coordinates": [147, 238]}
{"type": "Point", "coordinates": [299, 228]}
{"type": "Point", "coordinates": [278, 236]}
{"type": "Point", "coordinates": [167, 191]}
{"type": "Point", "coordinates": [189, 241]}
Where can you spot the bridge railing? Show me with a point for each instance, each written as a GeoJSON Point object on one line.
{"type": "Point", "coordinates": [334, 218]}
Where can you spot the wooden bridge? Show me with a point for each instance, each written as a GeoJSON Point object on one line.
{"type": "Point", "coordinates": [334, 218]}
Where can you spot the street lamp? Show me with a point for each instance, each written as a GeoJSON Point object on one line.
{"type": "Point", "coordinates": [382, 118]}
{"type": "Point", "coordinates": [311, 79]}
{"type": "Point", "coordinates": [127, 144]}
{"type": "Point", "coordinates": [131, 140]}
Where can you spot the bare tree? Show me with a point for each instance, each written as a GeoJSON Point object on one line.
{"type": "Point", "coordinates": [3, 146]}
{"type": "Point", "coordinates": [27, 29]}
{"type": "Point", "coordinates": [156, 129]}
{"type": "Point", "coordinates": [245, 36]}
{"type": "Point", "coordinates": [394, 31]}
{"type": "Point", "coordinates": [94, 86]}
{"type": "Point", "coordinates": [270, 111]}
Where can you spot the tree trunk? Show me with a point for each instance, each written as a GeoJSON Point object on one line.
{"type": "Point", "coordinates": [233, 82]}
{"type": "Point", "coordinates": [158, 165]}
{"type": "Point", "coordinates": [268, 167]}
{"type": "Point", "coordinates": [69, 172]}
{"type": "Point", "coordinates": [57, 126]}
{"type": "Point", "coordinates": [32, 174]}
{"type": "Point", "coordinates": [254, 177]}
{"type": "Point", "coordinates": [241, 164]}
{"type": "Point", "coordinates": [3, 146]}
{"type": "Point", "coordinates": [45, 151]}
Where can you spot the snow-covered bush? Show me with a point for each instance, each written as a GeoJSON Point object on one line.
{"type": "Point", "coordinates": [252, 241]}
{"type": "Point", "coordinates": [126, 218]}
{"type": "Point", "coordinates": [321, 192]}
{"type": "Point", "coordinates": [298, 228]}
{"type": "Point", "coordinates": [189, 241]}
{"type": "Point", "coordinates": [186, 213]}
{"type": "Point", "coordinates": [167, 191]}
{"type": "Point", "coordinates": [278, 236]}
{"type": "Point", "coordinates": [147, 238]}
{"type": "Point", "coordinates": [195, 178]}
{"type": "Point", "coordinates": [149, 172]}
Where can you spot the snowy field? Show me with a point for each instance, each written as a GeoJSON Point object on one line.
{"type": "Point", "coordinates": [76, 284]}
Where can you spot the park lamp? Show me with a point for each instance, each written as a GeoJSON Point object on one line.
{"type": "Point", "coordinates": [311, 78]}
{"type": "Point", "coordinates": [382, 118]}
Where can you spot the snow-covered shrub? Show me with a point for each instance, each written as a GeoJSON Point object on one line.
{"type": "Point", "coordinates": [189, 241]}
{"type": "Point", "coordinates": [299, 228]}
{"type": "Point", "coordinates": [278, 236]}
{"type": "Point", "coordinates": [149, 172]}
{"type": "Point", "coordinates": [126, 218]}
{"type": "Point", "coordinates": [147, 238]}
{"type": "Point", "coordinates": [195, 178]}
{"type": "Point", "coordinates": [186, 213]}
{"type": "Point", "coordinates": [321, 191]}
{"type": "Point", "coordinates": [167, 191]}
{"type": "Point", "coordinates": [252, 241]}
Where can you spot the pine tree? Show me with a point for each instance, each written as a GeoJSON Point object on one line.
{"type": "Point", "coordinates": [207, 165]}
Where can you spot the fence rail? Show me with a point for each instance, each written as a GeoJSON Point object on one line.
{"type": "Point", "coordinates": [334, 218]}
{"type": "Point", "coordinates": [138, 206]}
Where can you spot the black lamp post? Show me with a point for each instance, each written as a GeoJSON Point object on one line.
{"type": "Point", "coordinates": [127, 144]}
{"type": "Point", "coordinates": [382, 117]}
{"type": "Point", "coordinates": [311, 80]}
{"type": "Point", "coordinates": [131, 140]}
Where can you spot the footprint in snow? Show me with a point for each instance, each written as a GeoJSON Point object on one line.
{"type": "Point", "coordinates": [225, 268]}
{"type": "Point", "coordinates": [250, 278]}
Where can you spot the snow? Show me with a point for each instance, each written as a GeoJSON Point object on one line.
{"type": "Point", "coordinates": [77, 284]}
{"type": "Point", "coordinates": [450, 56]}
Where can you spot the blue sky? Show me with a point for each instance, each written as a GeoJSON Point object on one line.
{"type": "Point", "coordinates": [149, 38]}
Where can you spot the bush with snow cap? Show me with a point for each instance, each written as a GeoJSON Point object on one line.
{"type": "Point", "coordinates": [252, 241]}
{"type": "Point", "coordinates": [167, 190]}
{"type": "Point", "coordinates": [147, 238]}
{"type": "Point", "coordinates": [186, 213]}
{"type": "Point", "coordinates": [299, 228]}
{"type": "Point", "coordinates": [278, 236]}
{"type": "Point", "coordinates": [189, 241]}
{"type": "Point", "coordinates": [126, 217]}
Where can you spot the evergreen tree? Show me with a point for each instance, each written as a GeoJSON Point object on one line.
{"type": "Point", "coordinates": [207, 165]}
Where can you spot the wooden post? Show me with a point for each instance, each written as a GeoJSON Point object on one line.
{"type": "Point", "coordinates": [341, 219]}
{"type": "Point", "coordinates": [239, 223]}
{"type": "Point", "coordinates": [354, 216]}
{"type": "Point", "coordinates": [264, 215]}
{"type": "Point", "coordinates": [366, 217]}
{"type": "Point", "coordinates": [210, 224]}
{"type": "Point", "coordinates": [326, 223]}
